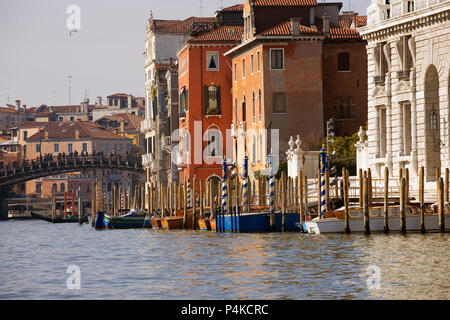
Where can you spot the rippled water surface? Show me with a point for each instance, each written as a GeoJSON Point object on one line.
{"type": "Point", "coordinates": [156, 264]}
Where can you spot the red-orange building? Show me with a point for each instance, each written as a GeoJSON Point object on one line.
{"type": "Point", "coordinates": [205, 81]}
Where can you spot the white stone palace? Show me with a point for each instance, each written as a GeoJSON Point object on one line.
{"type": "Point", "coordinates": [408, 87]}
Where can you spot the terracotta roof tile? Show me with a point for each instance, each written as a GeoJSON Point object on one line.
{"type": "Point", "coordinates": [355, 21]}
{"type": "Point", "coordinates": [284, 29]}
{"type": "Point", "coordinates": [176, 26]}
{"type": "Point", "coordinates": [360, 21]}
{"type": "Point", "coordinates": [292, 3]}
{"type": "Point", "coordinates": [236, 7]}
{"type": "Point", "coordinates": [66, 131]}
{"type": "Point", "coordinates": [224, 33]}
{"type": "Point", "coordinates": [343, 33]}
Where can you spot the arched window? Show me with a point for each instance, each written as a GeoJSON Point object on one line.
{"type": "Point", "coordinates": [244, 110]}
{"type": "Point", "coordinates": [253, 108]}
{"type": "Point", "coordinates": [259, 105]}
{"type": "Point", "coordinates": [213, 142]}
{"type": "Point", "coordinates": [62, 187]}
{"type": "Point", "coordinates": [54, 188]}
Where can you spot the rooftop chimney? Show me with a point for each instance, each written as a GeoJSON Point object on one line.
{"type": "Point", "coordinates": [77, 134]}
{"type": "Point", "coordinates": [295, 26]}
{"type": "Point", "coordinates": [46, 134]}
{"type": "Point", "coordinates": [84, 105]}
{"type": "Point", "coordinates": [326, 25]}
{"type": "Point", "coordinates": [17, 105]}
{"type": "Point", "coordinates": [99, 101]}
{"type": "Point", "coordinates": [24, 108]}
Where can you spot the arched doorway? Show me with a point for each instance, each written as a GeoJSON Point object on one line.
{"type": "Point", "coordinates": [432, 124]}
{"type": "Point", "coordinates": [215, 185]}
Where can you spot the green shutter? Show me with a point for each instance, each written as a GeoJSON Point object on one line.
{"type": "Point", "coordinates": [181, 103]}
{"type": "Point", "coordinates": [187, 100]}
{"type": "Point", "coordinates": [206, 99]}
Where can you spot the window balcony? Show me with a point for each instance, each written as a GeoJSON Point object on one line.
{"type": "Point", "coordinates": [403, 74]}
{"type": "Point", "coordinates": [379, 79]}
{"type": "Point", "coordinates": [147, 160]}
{"type": "Point", "coordinates": [146, 125]}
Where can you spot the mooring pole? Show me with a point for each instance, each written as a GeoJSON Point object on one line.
{"type": "Point", "coordinates": [386, 200]}
{"type": "Point", "coordinates": [403, 205]}
{"type": "Point", "coordinates": [366, 204]}
{"type": "Point", "coordinates": [272, 193]}
{"type": "Point", "coordinates": [422, 200]}
{"type": "Point", "coordinates": [441, 205]}
{"type": "Point", "coordinates": [346, 200]}
{"type": "Point", "coordinates": [300, 199]}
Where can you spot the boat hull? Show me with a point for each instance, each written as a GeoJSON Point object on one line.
{"type": "Point", "coordinates": [336, 225]}
{"type": "Point", "coordinates": [124, 223]}
{"type": "Point", "coordinates": [204, 224]}
{"type": "Point", "coordinates": [256, 222]}
{"type": "Point", "coordinates": [172, 223]}
{"type": "Point", "coordinates": [59, 219]}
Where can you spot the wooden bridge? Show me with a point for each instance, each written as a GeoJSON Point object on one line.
{"type": "Point", "coordinates": [49, 165]}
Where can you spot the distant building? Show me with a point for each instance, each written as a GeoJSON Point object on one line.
{"type": "Point", "coordinates": [116, 103]}
{"type": "Point", "coordinates": [13, 115]}
{"type": "Point", "coordinates": [70, 137]}
{"type": "Point", "coordinates": [119, 103]}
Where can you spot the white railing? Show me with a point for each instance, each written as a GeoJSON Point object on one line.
{"type": "Point", "coordinates": [146, 125]}
{"type": "Point", "coordinates": [147, 159]}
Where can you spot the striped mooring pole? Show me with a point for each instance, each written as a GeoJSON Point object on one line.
{"type": "Point", "coordinates": [323, 169]}
{"type": "Point", "coordinates": [245, 184]}
{"type": "Point", "coordinates": [189, 193]}
{"type": "Point", "coordinates": [122, 198]}
{"type": "Point", "coordinates": [272, 193]}
{"type": "Point", "coordinates": [224, 192]}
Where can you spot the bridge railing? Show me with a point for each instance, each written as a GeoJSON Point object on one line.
{"type": "Point", "coordinates": [49, 161]}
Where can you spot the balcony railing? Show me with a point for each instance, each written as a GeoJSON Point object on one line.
{"type": "Point", "coordinates": [146, 125]}
{"type": "Point", "coordinates": [403, 74]}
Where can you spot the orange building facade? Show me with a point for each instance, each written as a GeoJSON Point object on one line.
{"type": "Point", "coordinates": [297, 66]}
{"type": "Point", "coordinates": [205, 102]}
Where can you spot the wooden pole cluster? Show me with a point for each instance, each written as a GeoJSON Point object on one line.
{"type": "Point", "coordinates": [421, 200]}
{"type": "Point", "coordinates": [386, 200]}
{"type": "Point", "coordinates": [366, 204]}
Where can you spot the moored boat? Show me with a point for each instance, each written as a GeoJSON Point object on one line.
{"type": "Point", "coordinates": [59, 219]}
{"type": "Point", "coordinates": [134, 219]}
{"type": "Point", "coordinates": [172, 223]}
{"type": "Point", "coordinates": [334, 222]}
{"type": "Point", "coordinates": [256, 222]}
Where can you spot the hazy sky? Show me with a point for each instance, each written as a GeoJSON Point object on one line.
{"type": "Point", "coordinates": [37, 54]}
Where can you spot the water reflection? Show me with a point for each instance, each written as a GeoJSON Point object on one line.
{"type": "Point", "coordinates": [156, 264]}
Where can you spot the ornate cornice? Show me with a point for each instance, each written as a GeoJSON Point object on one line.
{"type": "Point", "coordinates": [404, 24]}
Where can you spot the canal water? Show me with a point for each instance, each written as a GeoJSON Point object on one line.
{"type": "Point", "coordinates": [156, 264]}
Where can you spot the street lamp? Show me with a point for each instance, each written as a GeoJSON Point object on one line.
{"type": "Point", "coordinates": [330, 133]}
